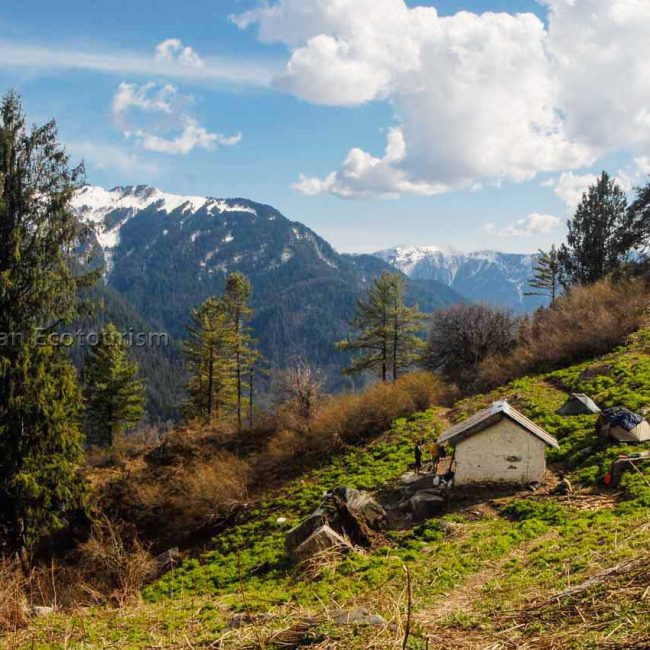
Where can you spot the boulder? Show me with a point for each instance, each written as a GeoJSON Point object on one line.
{"type": "Point", "coordinates": [357, 616]}
{"type": "Point", "coordinates": [420, 482]}
{"type": "Point", "coordinates": [41, 611]}
{"type": "Point", "coordinates": [424, 505]}
{"type": "Point", "coordinates": [362, 505]}
{"type": "Point", "coordinates": [296, 536]}
{"type": "Point", "coordinates": [321, 540]}
{"type": "Point", "coordinates": [168, 559]}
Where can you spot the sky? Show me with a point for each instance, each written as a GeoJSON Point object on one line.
{"type": "Point", "coordinates": [473, 124]}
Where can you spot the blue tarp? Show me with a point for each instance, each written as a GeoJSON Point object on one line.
{"type": "Point", "coordinates": [622, 417]}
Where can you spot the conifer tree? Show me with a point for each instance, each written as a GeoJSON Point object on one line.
{"type": "Point", "coordinates": [41, 445]}
{"type": "Point", "coordinates": [546, 275]}
{"type": "Point", "coordinates": [238, 313]}
{"type": "Point", "coordinates": [212, 388]}
{"type": "Point", "coordinates": [384, 330]}
{"type": "Point", "coordinates": [601, 234]}
{"type": "Point", "coordinates": [114, 394]}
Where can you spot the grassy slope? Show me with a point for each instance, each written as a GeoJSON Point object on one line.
{"type": "Point", "coordinates": [480, 582]}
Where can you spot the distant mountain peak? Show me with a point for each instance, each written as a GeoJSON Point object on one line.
{"type": "Point", "coordinates": [481, 276]}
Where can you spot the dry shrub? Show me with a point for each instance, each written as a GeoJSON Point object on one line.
{"type": "Point", "coordinates": [585, 322]}
{"type": "Point", "coordinates": [184, 486]}
{"type": "Point", "coordinates": [14, 608]}
{"type": "Point", "coordinates": [112, 566]}
{"type": "Point", "coordinates": [350, 419]}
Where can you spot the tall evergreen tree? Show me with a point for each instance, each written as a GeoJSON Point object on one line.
{"type": "Point", "coordinates": [384, 330]}
{"type": "Point", "coordinates": [639, 217]}
{"type": "Point", "coordinates": [114, 394]}
{"type": "Point", "coordinates": [238, 313]}
{"type": "Point", "coordinates": [546, 275]}
{"type": "Point", "coordinates": [208, 349]}
{"type": "Point", "coordinates": [41, 445]}
{"type": "Point", "coordinates": [601, 234]}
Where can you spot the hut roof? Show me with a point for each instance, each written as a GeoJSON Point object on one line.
{"type": "Point", "coordinates": [491, 415]}
{"type": "Point", "coordinates": [578, 404]}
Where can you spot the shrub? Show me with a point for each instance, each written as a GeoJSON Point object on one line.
{"type": "Point", "coordinates": [585, 322]}
{"type": "Point", "coordinates": [13, 596]}
{"type": "Point", "coordinates": [189, 479]}
{"type": "Point", "coordinates": [350, 419]}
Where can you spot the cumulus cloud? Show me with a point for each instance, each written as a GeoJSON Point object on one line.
{"type": "Point", "coordinates": [192, 137]}
{"type": "Point", "coordinates": [172, 50]}
{"type": "Point", "coordinates": [479, 98]}
{"type": "Point", "coordinates": [366, 176]}
{"type": "Point", "coordinates": [135, 108]}
{"type": "Point", "coordinates": [532, 225]}
{"type": "Point", "coordinates": [147, 97]}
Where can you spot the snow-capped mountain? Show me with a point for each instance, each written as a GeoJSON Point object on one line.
{"type": "Point", "coordinates": [165, 253]}
{"type": "Point", "coordinates": [482, 276]}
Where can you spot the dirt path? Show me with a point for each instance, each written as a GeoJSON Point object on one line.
{"type": "Point", "coordinates": [462, 598]}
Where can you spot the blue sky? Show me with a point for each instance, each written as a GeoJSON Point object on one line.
{"type": "Point", "coordinates": [245, 109]}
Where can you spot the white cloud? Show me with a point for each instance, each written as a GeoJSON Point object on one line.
{"type": "Point", "coordinates": [365, 176]}
{"type": "Point", "coordinates": [135, 108]}
{"type": "Point", "coordinates": [480, 98]}
{"type": "Point", "coordinates": [172, 51]}
{"type": "Point", "coordinates": [532, 225]}
{"type": "Point", "coordinates": [570, 187]}
{"type": "Point", "coordinates": [192, 137]}
{"type": "Point", "coordinates": [120, 62]}
{"type": "Point", "coordinates": [148, 97]}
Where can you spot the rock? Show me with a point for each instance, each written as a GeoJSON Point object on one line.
{"type": "Point", "coordinates": [239, 620]}
{"type": "Point", "coordinates": [323, 539]}
{"type": "Point", "coordinates": [362, 505]}
{"type": "Point", "coordinates": [296, 536]}
{"type": "Point", "coordinates": [421, 482]}
{"type": "Point", "coordinates": [357, 616]}
{"type": "Point", "coordinates": [41, 611]}
{"type": "Point", "coordinates": [167, 559]}
{"type": "Point", "coordinates": [425, 505]}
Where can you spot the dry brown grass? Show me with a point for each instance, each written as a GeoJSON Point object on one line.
{"type": "Point", "coordinates": [583, 323]}
{"type": "Point", "coordinates": [340, 420]}
{"type": "Point", "coordinates": [14, 610]}
{"type": "Point", "coordinates": [181, 486]}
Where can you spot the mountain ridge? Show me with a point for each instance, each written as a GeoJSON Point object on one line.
{"type": "Point", "coordinates": [481, 276]}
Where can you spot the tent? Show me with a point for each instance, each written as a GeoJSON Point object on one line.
{"type": "Point", "coordinates": [578, 404]}
{"type": "Point", "coordinates": [623, 425]}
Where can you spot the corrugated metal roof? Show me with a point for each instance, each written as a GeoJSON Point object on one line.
{"type": "Point", "coordinates": [489, 416]}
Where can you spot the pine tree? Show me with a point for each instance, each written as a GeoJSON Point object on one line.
{"type": "Point", "coordinates": [384, 330]}
{"type": "Point", "coordinates": [114, 394]}
{"type": "Point", "coordinates": [208, 349]}
{"type": "Point", "coordinates": [41, 445]}
{"type": "Point", "coordinates": [546, 275]}
{"type": "Point", "coordinates": [238, 314]}
{"type": "Point", "coordinates": [601, 234]}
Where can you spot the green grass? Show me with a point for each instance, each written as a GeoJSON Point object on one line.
{"type": "Point", "coordinates": [529, 548]}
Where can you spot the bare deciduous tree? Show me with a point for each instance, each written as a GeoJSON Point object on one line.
{"type": "Point", "coordinates": [301, 385]}
{"type": "Point", "coordinates": [464, 335]}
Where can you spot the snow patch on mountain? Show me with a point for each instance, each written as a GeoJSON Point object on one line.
{"type": "Point", "coordinates": [488, 276]}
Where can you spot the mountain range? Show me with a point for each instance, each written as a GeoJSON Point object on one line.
{"type": "Point", "coordinates": [163, 254]}
{"type": "Point", "coordinates": [482, 276]}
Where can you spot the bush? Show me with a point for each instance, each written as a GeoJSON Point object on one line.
{"type": "Point", "coordinates": [185, 483]}
{"type": "Point", "coordinates": [350, 419]}
{"type": "Point", "coordinates": [585, 322]}
{"type": "Point", "coordinates": [13, 596]}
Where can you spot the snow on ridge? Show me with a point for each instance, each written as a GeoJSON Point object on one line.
{"type": "Point", "coordinates": [94, 203]}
